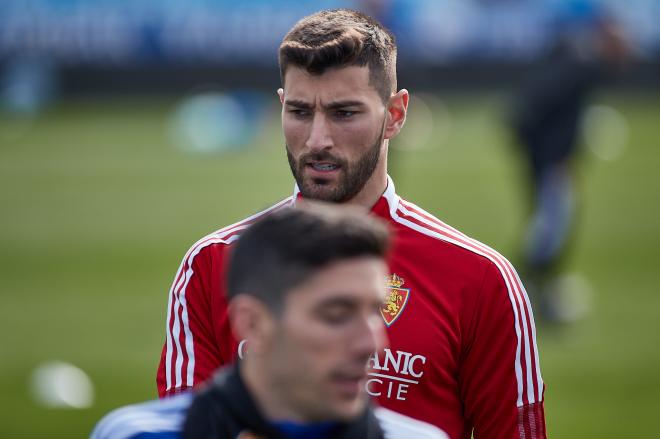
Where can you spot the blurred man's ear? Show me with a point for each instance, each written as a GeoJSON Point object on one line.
{"type": "Point", "coordinates": [280, 93]}
{"type": "Point", "coordinates": [251, 320]}
{"type": "Point", "coordinates": [397, 108]}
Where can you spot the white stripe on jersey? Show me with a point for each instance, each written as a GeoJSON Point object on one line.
{"type": "Point", "coordinates": [398, 426]}
{"type": "Point", "coordinates": [511, 278]}
{"type": "Point", "coordinates": [517, 295]}
{"type": "Point", "coordinates": [159, 416]}
{"type": "Point", "coordinates": [180, 285]}
{"type": "Point", "coordinates": [177, 302]}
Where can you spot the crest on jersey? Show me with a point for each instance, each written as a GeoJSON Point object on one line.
{"type": "Point", "coordinates": [396, 299]}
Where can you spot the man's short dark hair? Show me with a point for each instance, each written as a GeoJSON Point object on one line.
{"type": "Point", "coordinates": [283, 250]}
{"type": "Point", "coordinates": [342, 38]}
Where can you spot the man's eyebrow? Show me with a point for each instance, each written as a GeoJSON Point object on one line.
{"type": "Point", "coordinates": [330, 106]}
{"type": "Point", "coordinates": [342, 104]}
{"type": "Point", "coordinates": [298, 104]}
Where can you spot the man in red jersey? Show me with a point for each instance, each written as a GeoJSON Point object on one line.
{"type": "Point", "coordinates": [462, 352]}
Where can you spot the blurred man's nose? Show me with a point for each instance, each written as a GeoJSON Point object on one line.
{"type": "Point", "coordinates": [371, 336]}
{"type": "Point", "coordinates": [319, 134]}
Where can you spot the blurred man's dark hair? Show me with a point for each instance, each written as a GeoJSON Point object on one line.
{"type": "Point", "coordinates": [287, 247]}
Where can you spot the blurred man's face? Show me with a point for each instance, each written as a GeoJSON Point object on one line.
{"type": "Point", "coordinates": [334, 127]}
{"type": "Point", "coordinates": [320, 345]}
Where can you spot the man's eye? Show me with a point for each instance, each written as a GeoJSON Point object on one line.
{"type": "Point", "coordinates": [299, 113]}
{"type": "Point", "coordinates": [344, 114]}
{"type": "Point", "coordinates": [335, 317]}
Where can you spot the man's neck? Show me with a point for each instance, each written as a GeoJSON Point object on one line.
{"type": "Point", "coordinates": [376, 185]}
{"type": "Point", "coordinates": [372, 190]}
{"type": "Point", "coordinates": [272, 407]}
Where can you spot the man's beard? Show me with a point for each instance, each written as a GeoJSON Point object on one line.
{"type": "Point", "coordinates": [351, 181]}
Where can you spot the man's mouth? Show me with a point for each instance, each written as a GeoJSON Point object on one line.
{"type": "Point", "coordinates": [349, 383]}
{"type": "Point", "coordinates": [323, 166]}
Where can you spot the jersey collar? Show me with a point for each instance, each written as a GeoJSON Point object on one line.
{"type": "Point", "coordinates": [386, 205]}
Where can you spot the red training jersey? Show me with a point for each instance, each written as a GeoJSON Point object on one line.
{"type": "Point", "coordinates": [462, 352]}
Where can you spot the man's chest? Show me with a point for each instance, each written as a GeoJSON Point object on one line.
{"type": "Point", "coordinates": [423, 328]}
{"type": "Point", "coordinates": [425, 312]}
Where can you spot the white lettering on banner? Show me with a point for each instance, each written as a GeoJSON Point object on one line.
{"type": "Point", "coordinates": [389, 373]}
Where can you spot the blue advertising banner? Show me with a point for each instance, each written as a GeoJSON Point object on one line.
{"type": "Point", "coordinates": [123, 32]}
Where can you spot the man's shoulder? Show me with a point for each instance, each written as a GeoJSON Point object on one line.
{"type": "Point", "coordinates": [398, 426]}
{"type": "Point", "coordinates": [158, 419]}
{"type": "Point", "coordinates": [434, 234]}
{"type": "Point", "coordinates": [226, 235]}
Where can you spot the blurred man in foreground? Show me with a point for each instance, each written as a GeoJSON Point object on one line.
{"type": "Point", "coordinates": [305, 288]}
{"type": "Point", "coordinates": [462, 352]}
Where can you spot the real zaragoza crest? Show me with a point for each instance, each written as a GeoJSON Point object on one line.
{"type": "Point", "coordinates": [396, 299]}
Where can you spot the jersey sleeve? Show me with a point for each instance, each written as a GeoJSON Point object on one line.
{"type": "Point", "coordinates": [500, 378]}
{"type": "Point", "coordinates": [191, 352]}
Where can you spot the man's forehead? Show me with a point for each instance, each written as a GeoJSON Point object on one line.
{"type": "Point", "coordinates": [335, 84]}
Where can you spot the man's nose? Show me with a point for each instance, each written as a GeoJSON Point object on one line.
{"type": "Point", "coordinates": [319, 134]}
{"type": "Point", "coordinates": [371, 336]}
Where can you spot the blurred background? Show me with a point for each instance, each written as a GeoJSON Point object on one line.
{"type": "Point", "coordinates": [128, 130]}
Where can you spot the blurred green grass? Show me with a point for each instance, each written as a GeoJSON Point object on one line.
{"type": "Point", "coordinates": [98, 207]}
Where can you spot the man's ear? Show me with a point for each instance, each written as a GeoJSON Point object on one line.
{"type": "Point", "coordinates": [280, 93]}
{"type": "Point", "coordinates": [251, 320]}
{"type": "Point", "coordinates": [397, 107]}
